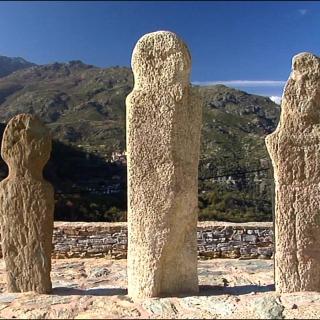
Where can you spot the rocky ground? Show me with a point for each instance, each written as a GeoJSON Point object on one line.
{"type": "Point", "coordinates": [96, 289]}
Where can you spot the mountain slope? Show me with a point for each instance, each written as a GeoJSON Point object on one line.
{"type": "Point", "coordinates": [80, 103]}
{"type": "Point", "coordinates": [84, 106]}
{"type": "Point", "coordinates": [235, 177]}
{"type": "Point", "coordinates": [9, 65]}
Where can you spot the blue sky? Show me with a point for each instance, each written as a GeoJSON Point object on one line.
{"type": "Point", "coordinates": [247, 45]}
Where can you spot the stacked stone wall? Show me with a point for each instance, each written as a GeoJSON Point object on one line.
{"type": "Point", "coordinates": [245, 241]}
{"type": "Point", "coordinates": [215, 240]}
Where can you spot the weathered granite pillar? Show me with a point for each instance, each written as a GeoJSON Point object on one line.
{"type": "Point", "coordinates": [295, 152]}
{"type": "Point", "coordinates": [26, 206]}
{"type": "Point", "coordinates": [163, 139]}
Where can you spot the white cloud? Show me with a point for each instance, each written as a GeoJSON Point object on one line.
{"type": "Point", "coordinates": [243, 83]}
{"type": "Point", "coordinates": [276, 99]}
{"type": "Point", "coordinates": [303, 11]}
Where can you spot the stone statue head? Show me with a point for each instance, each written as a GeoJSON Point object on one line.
{"type": "Point", "coordinates": [160, 59]}
{"type": "Point", "coordinates": [303, 88]}
{"type": "Point", "coordinates": [26, 145]}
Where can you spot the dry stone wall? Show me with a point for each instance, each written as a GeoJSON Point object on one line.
{"type": "Point", "coordinates": [227, 240]}
{"type": "Point", "coordinates": [90, 240]}
{"type": "Point", "coordinates": [215, 240]}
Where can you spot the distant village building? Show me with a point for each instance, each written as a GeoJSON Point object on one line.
{"type": "Point", "coordinates": [119, 157]}
{"type": "Point", "coordinates": [264, 163]}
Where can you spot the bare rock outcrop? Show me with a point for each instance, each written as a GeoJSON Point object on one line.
{"type": "Point", "coordinates": [26, 206]}
{"type": "Point", "coordinates": [163, 142]}
{"type": "Point", "coordinates": [295, 152]}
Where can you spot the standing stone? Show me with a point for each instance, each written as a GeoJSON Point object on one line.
{"type": "Point", "coordinates": [163, 139]}
{"type": "Point", "coordinates": [26, 206]}
{"type": "Point", "coordinates": [295, 152]}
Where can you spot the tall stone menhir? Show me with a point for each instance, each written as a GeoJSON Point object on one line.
{"type": "Point", "coordinates": [26, 206]}
{"type": "Point", "coordinates": [295, 152]}
{"type": "Point", "coordinates": [163, 142]}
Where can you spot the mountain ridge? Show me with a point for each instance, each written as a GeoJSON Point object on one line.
{"type": "Point", "coordinates": [9, 65]}
{"type": "Point", "coordinates": [84, 107]}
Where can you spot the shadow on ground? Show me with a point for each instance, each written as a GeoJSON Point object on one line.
{"type": "Point", "coordinates": [207, 290]}
{"type": "Point", "coordinates": [204, 290]}
{"type": "Point", "coordinates": [65, 291]}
